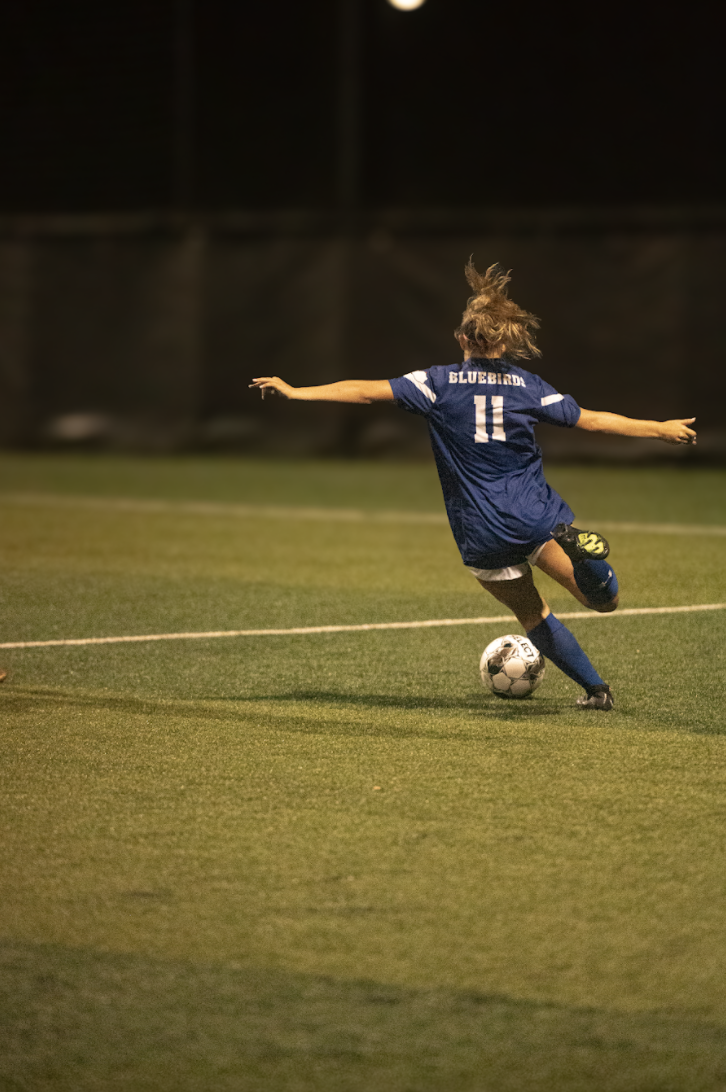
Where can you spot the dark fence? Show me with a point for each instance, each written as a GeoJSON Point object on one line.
{"type": "Point", "coordinates": [140, 333]}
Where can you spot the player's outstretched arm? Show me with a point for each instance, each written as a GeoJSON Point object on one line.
{"type": "Point", "coordinates": [671, 432]}
{"type": "Point", "coordinates": [348, 390]}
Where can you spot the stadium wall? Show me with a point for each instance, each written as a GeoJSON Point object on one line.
{"type": "Point", "coordinates": [141, 333]}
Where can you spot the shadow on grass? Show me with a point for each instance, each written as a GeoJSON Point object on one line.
{"type": "Point", "coordinates": [303, 714]}
{"type": "Point", "coordinates": [436, 720]}
{"type": "Point", "coordinates": [499, 708]}
{"type": "Point", "coordinates": [19, 700]}
{"type": "Point", "coordinates": [78, 1019]}
{"type": "Point", "coordinates": [189, 706]}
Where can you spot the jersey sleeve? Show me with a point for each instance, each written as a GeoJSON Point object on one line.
{"type": "Point", "coordinates": [553, 408]}
{"type": "Point", "coordinates": [415, 392]}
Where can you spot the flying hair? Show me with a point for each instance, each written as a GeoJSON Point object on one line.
{"type": "Point", "coordinates": [492, 321]}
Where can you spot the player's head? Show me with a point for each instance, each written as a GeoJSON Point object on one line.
{"type": "Point", "coordinates": [492, 322]}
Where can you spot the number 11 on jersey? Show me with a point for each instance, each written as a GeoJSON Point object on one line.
{"type": "Point", "coordinates": [481, 436]}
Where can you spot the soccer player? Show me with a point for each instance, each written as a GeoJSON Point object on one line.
{"type": "Point", "coordinates": [503, 514]}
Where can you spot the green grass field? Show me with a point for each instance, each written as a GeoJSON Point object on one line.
{"type": "Point", "coordinates": [333, 862]}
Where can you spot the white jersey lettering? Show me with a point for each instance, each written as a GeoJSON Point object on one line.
{"type": "Point", "coordinates": [498, 432]}
{"type": "Point", "coordinates": [481, 436]}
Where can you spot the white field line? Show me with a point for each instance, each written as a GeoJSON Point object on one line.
{"type": "Point", "coordinates": [282, 512]}
{"type": "Point", "coordinates": [658, 528]}
{"type": "Point", "coordinates": [211, 508]}
{"type": "Point", "coordinates": [306, 630]}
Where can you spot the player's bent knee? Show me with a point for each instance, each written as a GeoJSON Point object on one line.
{"type": "Point", "coordinates": [605, 608]}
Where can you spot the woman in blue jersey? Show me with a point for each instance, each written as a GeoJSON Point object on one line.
{"type": "Point", "coordinates": [503, 514]}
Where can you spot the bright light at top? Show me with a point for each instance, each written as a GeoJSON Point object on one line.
{"type": "Point", "coordinates": [406, 5]}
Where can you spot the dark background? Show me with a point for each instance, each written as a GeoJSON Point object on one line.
{"type": "Point", "coordinates": [464, 102]}
{"type": "Point", "coordinates": [171, 218]}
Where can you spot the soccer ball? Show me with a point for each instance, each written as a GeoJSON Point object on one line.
{"type": "Point", "coordinates": [512, 667]}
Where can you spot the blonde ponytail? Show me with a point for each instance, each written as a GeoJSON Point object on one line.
{"type": "Point", "coordinates": [491, 320]}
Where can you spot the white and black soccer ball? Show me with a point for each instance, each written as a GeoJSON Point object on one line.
{"type": "Point", "coordinates": [512, 667]}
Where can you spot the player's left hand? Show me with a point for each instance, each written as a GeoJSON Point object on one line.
{"type": "Point", "coordinates": [678, 432]}
{"type": "Point", "coordinates": [272, 384]}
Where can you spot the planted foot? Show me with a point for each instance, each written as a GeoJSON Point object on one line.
{"type": "Point", "coordinates": [597, 697]}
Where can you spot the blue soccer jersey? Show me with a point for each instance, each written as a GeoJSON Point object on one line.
{"type": "Point", "coordinates": [481, 416]}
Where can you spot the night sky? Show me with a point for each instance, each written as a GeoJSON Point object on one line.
{"type": "Point", "coordinates": [465, 102]}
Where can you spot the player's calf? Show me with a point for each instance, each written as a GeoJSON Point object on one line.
{"type": "Point", "coordinates": [594, 577]}
{"type": "Point", "coordinates": [598, 583]}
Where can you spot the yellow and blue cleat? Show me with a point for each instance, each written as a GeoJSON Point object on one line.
{"type": "Point", "coordinates": [581, 545]}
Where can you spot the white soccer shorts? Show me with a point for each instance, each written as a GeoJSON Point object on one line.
{"type": "Point", "coordinates": [513, 572]}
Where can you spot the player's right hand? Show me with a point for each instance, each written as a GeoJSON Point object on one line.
{"type": "Point", "coordinates": [678, 432]}
{"type": "Point", "coordinates": [272, 384]}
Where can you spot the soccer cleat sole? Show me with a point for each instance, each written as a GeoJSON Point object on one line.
{"type": "Point", "coordinates": [581, 545]}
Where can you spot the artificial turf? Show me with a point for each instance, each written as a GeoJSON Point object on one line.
{"type": "Point", "coordinates": [334, 861]}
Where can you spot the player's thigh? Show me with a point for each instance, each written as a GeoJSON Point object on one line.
{"type": "Point", "coordinates": [555, 563]}
{"type": "Point", "coordinates": [521, 596]}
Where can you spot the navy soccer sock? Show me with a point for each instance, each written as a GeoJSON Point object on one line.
{"type": "Point", "coordinates": [596, 580]}
{"type": "Point", "coordinates": [559, 645]}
